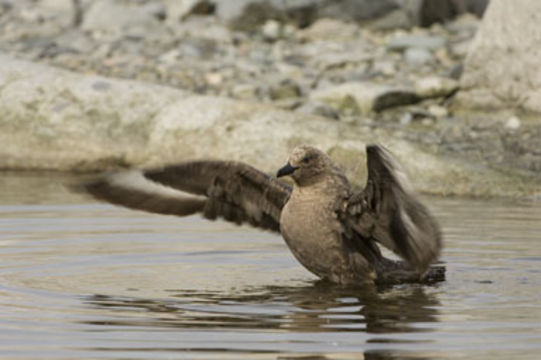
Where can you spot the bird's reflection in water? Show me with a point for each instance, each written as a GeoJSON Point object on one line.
{"type": "Point", "coordinates": [320, 306]}
{"type": "Point", "coordinates": [316, 307]}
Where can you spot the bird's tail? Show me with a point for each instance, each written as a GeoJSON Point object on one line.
{"type": "Point", "coordinates": [391, 272]}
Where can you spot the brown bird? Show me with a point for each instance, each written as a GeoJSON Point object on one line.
{"type": "Point", "coordinates": [331, 230]}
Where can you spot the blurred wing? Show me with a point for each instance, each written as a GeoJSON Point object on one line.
{"type": "Point", "coordinates": [388, 211]}
{"type": "Point", "coordinates": [131, 189]}
{"type": "Point", "coordinates": [218, 189]}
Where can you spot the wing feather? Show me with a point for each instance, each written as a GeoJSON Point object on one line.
{"type": "Point", "coordinates": [233, 191]}
{"type": "Point", "coordinates": [388, 211]}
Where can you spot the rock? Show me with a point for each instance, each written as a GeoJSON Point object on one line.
{"type": "Point", "coordinates": [58, 120]}
{"type": "Point", "coordinates": [455, 71]}
{"type": "Point", "coordinates": [464, 26]}
{"type": "Point", "coordinates": [6, 5]}
{"type": "Point", "coordinates": [406, 118]}
{"type": "Point", "coordinates": [330, 29]}
{"type": "Point", "coordinates": [63, 12]}
{"type": "Point", "coordinates": [412, 9]}
{"type": "Point", "coordinates": [384, 67]}
{"type": "Point", "coordinates": [214, 79]}
{"type": "Point", "coordinates": [324, 58]}
{"type": "Point", "coordinates": [428, 121]}
{"type": "Point", "coordinates": [356, 10]}
{"type": "Point", "coordinates": [396, 19]}
{"type": "Point", "coordinates": [271, 30]}
{"type": "Point", "coordinates": [435, 86]}
{"type": "Point", "coordinates": [244, 91]}
{"type": "Point", "coordinates": [288, 103]}
{"type": "Point", "coordinates": [502, 69]}
{"type": "Point", "coordinates": [376, 14]}
{"type": "Point", "coordinates": [462, 48]}
{"type": "Point", "coordinates": [170, 57]}
{"type": "Point", "coordinates": [419, 115]}
{"type": "Point", "coordinates": [197, 47]}
{"type": "Point", "coordinates": [156, 10]}
{"type": "Point", "coordinates": [77, 122]}
{"type": "Point", "coordinates": [284, 90]}
{"type": "Point", "coordinates": [439, 11]}
{"type": "Point", "coordinates": [513, 123]}
{"type": "Point", "coordinates": [403, 42]}
{"type": "Point", "coordinates": [178, 10]}
{"type": "Point", "coordinates": [248, 14]}
{"type": "Point", "coordinates": [119, 18]}
{"type": "Point", "coordinates": [438, 111]}
{"type": "Point", "coordinates": [203, 27]}
{"type": "Point", "coordinates": [75, 40]}
{"type": "Point", "coordinates": [233, 11]}
{"type": "Point", "coordinates": [443, 57]}
{"type": "Point", "coordinates": [348, 106]}
{"type": "Point", "coordinates": [56, 7]}
{"type": "Point", "coordinates": [368, 96]}
{"type": "Point", "coordinates": [320, 109]}
{"type": "Point", "coordinates": [418, 56]}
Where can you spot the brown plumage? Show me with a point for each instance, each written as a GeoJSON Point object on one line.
{"type": "Point", "coordinates": [331, 230]}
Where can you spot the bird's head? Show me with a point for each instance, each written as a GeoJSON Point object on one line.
{"type": "Point", "coordinates": [306, 165]}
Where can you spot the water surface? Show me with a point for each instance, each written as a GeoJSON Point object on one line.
{"type": "Point", "coordinates": [79, 279]}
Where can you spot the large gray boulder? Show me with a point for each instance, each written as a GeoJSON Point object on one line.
{"type": "Point", "coordinates": [58, 120]}
{"type": "Point", "coordinates": [502, 69]}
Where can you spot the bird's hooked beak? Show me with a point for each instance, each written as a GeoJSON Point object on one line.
{"type": "Point", "coordinates": [286, 170]}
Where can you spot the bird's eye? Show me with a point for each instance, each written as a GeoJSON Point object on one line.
{"type": "Point", "coordinates": [306, 159]}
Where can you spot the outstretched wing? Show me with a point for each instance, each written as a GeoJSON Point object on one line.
{"type": "Point", "coordinates": [218, 189]}
{"type": "Point", "coordinates": [388, 211]}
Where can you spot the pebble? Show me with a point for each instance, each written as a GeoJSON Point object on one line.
{"type": "Point", "coordinates": [271, 30]}
{"type": "Point", "coordinates": [202, 54]}
{"type": "Point", "coordinates": [418, 56]}
{"type": "Point", "coordinates": [176, 10]}
{"type": "Point", "coordinates": [385, 67]}
{"type": "Point", "coordinates": [319, 108]}
{"type": "Point", "coordinates": [438, 111]}
{"type": "Point", "coordinates": [462, 48]}
{"type": "Point", "coordinates": [214, 78]}
{"type": "Point", "coordinates": [455, 71]}
{"type": "Point", "coordinates": [401, 43]}
{"type": "Point", "coordinates": [275, 61]}
{"type": "Point", "coordinates": [513, 123]}
{"type": "Point", "coordinates": [435, 86]}
{"type": "Point", "coordinates": [406, 118]}
{"type": "Point", "coordinates": [292, 68]}
{"type": "Point", "coordinates": [75, 40]}
{"type": "Point", "coordinates": [285, 89]}
{"type": "Point", "coordinates": [244, 91]}
{"type": "Point", "coordinates": [330, 30]}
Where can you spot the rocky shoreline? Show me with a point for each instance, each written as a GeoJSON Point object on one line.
{"type": "Point", "coordinates": [393, 85]}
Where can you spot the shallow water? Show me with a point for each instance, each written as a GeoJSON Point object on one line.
{"type": "Point", "coordinates": [80, 279]}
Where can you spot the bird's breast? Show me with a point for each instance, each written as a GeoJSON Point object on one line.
{"type": "Point", "coordinates": [312, 232]}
